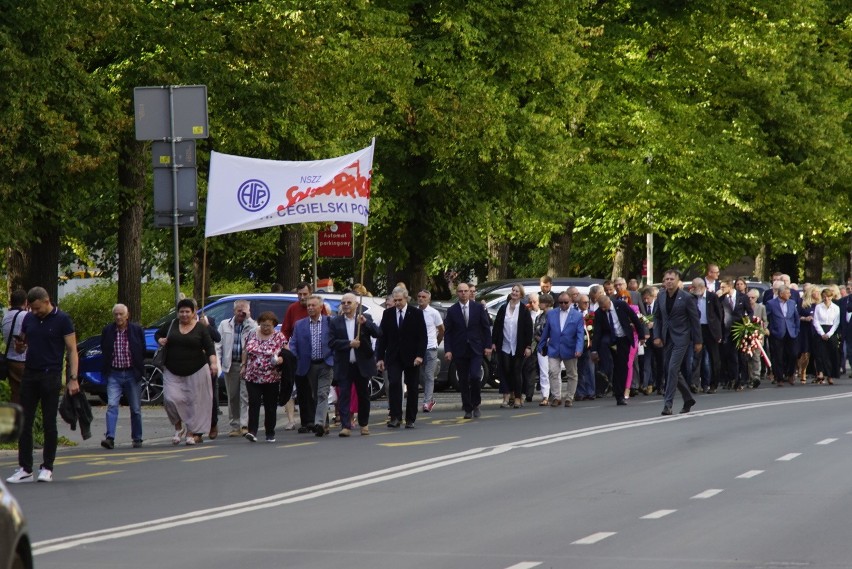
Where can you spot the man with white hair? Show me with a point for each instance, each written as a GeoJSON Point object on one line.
{"type": "Point", "coordinates": [234, 332]}
{"type": "Point", "coordinates": [123, 346]}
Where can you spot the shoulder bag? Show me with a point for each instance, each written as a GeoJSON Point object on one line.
{"type": "Point", "coordinates": [160, 355]}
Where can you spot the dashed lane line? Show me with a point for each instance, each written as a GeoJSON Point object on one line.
{"type": "Point", "coordinates": [657, 515]}
{"type": "Point", "coordinates": [751, 474]}
{"type": "Point", "coordinates": [707, 494]}
{"type": "Point", "coordinates": [594, 538]}
{"type": "Point", "coordinates": [417, 443]}
{"type": "Point", "coordinates": [826, 441]}
{"type": "Point", "coordinates": [788, 457]}
{"type": "Point", "coordinates": [525, 565]}
{"type": "Point", "coordinates": [204, 458]}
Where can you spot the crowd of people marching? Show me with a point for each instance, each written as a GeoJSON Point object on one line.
{"type": "Point", "coordinates": [618, 340]}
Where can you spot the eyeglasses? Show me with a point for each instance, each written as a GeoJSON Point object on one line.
{"type": "Point", "coordinates": [562, 302]}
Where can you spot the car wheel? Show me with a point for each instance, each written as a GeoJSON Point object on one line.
{"type": "Point", "coordinates": [151, 386]}
{"type": "Point", "coordinates": [18, 562]}
{"type": "Point", "coordinates": [377, 387]}
{"type": "Point", "coordinates": [486, 378]}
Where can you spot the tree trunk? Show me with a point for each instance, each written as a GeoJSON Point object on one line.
{"type": "Point", "coordinates": [814, 256]}
{"type": "Point", "coordinates": [17, 266]}
{"type": "Point", "coordinates": [788, 263]}
{"type": "Point", "coordinates": [761, 262]}
{"type": "Point", "coordinates": [287, 271]}
{"type": "Point", "coordinates": [623, 256]}
{"type": "Point", "coordinates": [559, 260]}
{"type": "Point", "coordinates": [498, 260]}
{"type": "Point", "coordinates": [132, 168]}
{"type": "Point", "coordinates": [44, 255]}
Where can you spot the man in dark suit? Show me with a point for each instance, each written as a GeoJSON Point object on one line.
{"type": "Point", "coordinates": [710, 317]}
{"type": "Point", "coordinates": [123, 345]}
{"type": "Point", "coordinates": [676, 327]}
{"type": "Point", "coordinates": [613, 330]}
{"type": "Point", "coordinates": [402, 348]}
{"type": "Point", "coordinates": [735, 307]}
{"type": "Point", "coordinates": [711, 278]}
{"type": "Point", "coordinates": [784, 325]}
{"type": "Point", "coordinates": [467, 337]}
{"type": "Point", "coordinates": [349, 338]}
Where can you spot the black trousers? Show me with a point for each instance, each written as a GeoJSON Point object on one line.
{"type": "Point", "coordinates": [467, 370]}
{"type": "Point", "coordinates": [39, 387]}
{"type": "Point", "coordinates": [267, 393]}
{"type": "Point", "coordinates": [711, 348]}
{"type": "Point", "coordinates": [510, 368]}
{"type": "Point", "coordinates": [784, 356]}
{"type": "Point", "coordinates": [307, 406]}
{"type": "Point", "coordinates": [214, 417]}
{"type": "Point", "coordinates": [396, 371]}
{"type": "Point", "coordinates": [362, 390]}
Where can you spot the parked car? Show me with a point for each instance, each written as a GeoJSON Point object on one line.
{"type": "Point", "coordinates": [15, 549]}
{"type": "Point", "coordinates": [221, 308]}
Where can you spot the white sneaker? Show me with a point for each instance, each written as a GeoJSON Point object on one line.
{"type": "Point", "coordinates": [20, 475]}
{"type": "Point", "coordinates": [45, 475]}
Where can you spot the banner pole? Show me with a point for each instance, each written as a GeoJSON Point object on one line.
{"type": "Point", "coordinates": [361, 296]}
{"type": "Point", "coordinates": [203, 273]}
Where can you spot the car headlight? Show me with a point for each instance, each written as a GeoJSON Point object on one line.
{"type": "Point", "coordinates": [92, 352]}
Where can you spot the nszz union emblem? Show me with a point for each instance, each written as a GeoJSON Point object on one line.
{"type": "Point", "coordinates": [253, 195]}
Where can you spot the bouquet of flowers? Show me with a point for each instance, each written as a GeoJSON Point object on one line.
{"type": "Point", "coordinates": [647, 320]}
{"type": "Point", "coordinates": [589, 324]}
{"type": "Point", "coordinates": [748, 336]}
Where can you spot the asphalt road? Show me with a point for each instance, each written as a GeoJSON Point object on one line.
{"type": "Point", "coordinates": [753, 479]}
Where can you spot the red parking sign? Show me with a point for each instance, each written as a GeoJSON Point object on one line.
{"type": "Point", "coordinates": [337, 241]}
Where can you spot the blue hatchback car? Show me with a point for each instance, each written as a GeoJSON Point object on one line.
{"type": "Point", "coordinates": [219, 308]}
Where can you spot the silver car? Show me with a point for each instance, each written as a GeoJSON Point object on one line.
{"type": "Point", "coordinates": [15, 552]}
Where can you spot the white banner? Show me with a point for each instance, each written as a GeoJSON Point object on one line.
{"type": "Point", "coordinates": [250, 193]}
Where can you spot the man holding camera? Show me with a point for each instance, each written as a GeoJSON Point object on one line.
{"type": "Point", "coordinates": [234, 332]}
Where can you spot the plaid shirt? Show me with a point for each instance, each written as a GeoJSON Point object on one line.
{"type": "Point", "coordinates": [316, 339]}
{"type": "Point", "coordinates": [121, 354]}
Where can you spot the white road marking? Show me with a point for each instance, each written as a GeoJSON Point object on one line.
{"type": "Point", "coordinates": [788, 457]}
{"type": "Point", "coordinates": [826, 441]}
{"type": "Point", "coordinates": [657, 515]}
{"type": "Point", "coordinates": [379, 476]}
{"type": "Point", "coordinates": [525, 565]}
{"type": "Point", "coordinates": [751, 473]}
{"type": "Point", "coordinates": [707, 494]}
{"type": "Point", "coordinates": [594, 538]}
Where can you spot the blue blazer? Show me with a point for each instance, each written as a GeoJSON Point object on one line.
{"type": "Point", "coordinates": [300, 344]}
{"type": "Point", "coordinates": [136, 339]}
{"type": "Point", "coordinates": [567, 342]}
{"type": "Point", "coordinates": [467, 341]}
{"type": "Point", "coordinates": [778, 325]}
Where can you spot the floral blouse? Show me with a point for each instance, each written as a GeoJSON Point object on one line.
{"type": "Point", "coordinates": [259, 354]}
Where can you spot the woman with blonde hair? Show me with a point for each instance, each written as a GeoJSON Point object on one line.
{"type": "Point", "coordinates": [826, 323]}
{"type": "Point", "coordinates": [810, 299]}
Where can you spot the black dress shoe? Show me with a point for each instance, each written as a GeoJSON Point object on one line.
{"type": "Point", "coordinates": [476, 412]}
{"type": "Point", "coordinates": [687, 406]}
{"type": "Point", "coordinates": [468, 415]}
{"type": "Point", "coordinates": [393, 424]}
{"type": "Point", "coordinates": [319, 430]}
{"type": "Point", "coordinates": [621, 402]}
{"type": "Point", "coordinates": [409, 425]}
{"type": "Point", "coordinates": [306, 429]}
{"type": "Point", "coordinates": [666, 411]}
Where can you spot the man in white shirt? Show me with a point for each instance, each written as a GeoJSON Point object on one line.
{"type": "Point", "coordinates": [434, 336]}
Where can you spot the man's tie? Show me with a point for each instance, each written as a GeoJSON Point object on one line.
{"type": "Point", "coordinates": [400, 320]}
{"type": "Point", "coordinates": [464, 312]}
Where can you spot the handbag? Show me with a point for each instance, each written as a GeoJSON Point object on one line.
{"type": "Point", "coordinates": [4, 360]}
{"type": "Point", "coordinates": [159, 359]}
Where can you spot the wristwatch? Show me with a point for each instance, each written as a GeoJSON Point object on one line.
{"type": "Point", "coordinates": [72, 378]}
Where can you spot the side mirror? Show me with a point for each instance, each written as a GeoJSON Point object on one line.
{"type": "Point", "coordinates": [11, 422]}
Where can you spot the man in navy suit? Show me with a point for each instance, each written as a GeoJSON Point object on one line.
{"type": "Point", "coordinates": [123, 345]}
{"type": "Point", "coordinates": [613, 330]}
{"type": "Point", "coordinates": [350, 335]}
{"type": "Point", "coordinates": [676, 327]}
{"type": "Point", "coordinates": [710, 317]}
{"type": "Point", "coordinates": [467, 337]}
{"type": "Point", "coordinates": [563, 337]}
{"type": "Point", "coordinates": [402, 348]}
{"type": "Point", "coordinates": [314, 360]}
{"type": "Point", "coordinates": [783, 318]}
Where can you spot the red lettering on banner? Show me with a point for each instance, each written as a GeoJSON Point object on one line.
{"type": "Point", "coordinates": [347, 183]}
